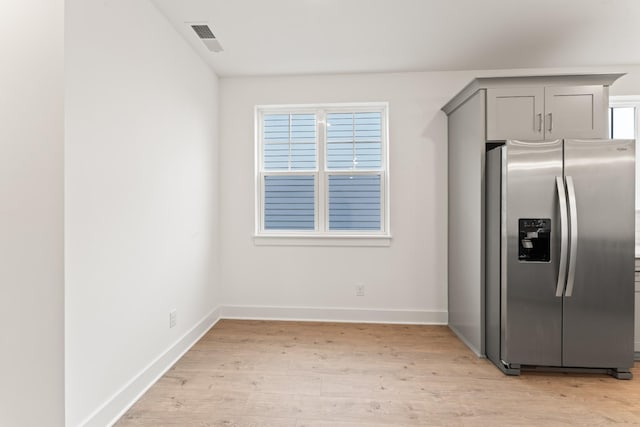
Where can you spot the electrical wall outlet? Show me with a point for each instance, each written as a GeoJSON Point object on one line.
{"type": "Point", "coordinates": [173, 318]}
{"type": "Point", "coordinates": [359, 289]}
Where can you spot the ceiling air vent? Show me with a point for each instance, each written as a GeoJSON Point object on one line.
{"type": "Point", "coordinates": [206, 35]}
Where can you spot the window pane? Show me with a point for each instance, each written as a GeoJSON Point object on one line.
{"type": "Point", "coordinates": [622, 123]}
{"type": "Point", "coordinates": [289, 141]}
{"type": "Point", "coordinates": [289, 203]}
{"type": "Point", "coordinates": [354, 202]}
{"type": "Point", "coordinates": [354, 140]}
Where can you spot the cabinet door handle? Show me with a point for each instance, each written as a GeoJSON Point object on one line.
{"type": "Point", "coordinates": [539, 122]}
{"type": "Point", "coordinates": [550, 122]}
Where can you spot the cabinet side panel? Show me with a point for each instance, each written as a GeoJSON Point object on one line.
{"type": "Point", "coordinates": [637, 327]}
{"type": "Point", "coordinates": [466, 219]}
{"type": "Point", "coordinates": [636, 346]}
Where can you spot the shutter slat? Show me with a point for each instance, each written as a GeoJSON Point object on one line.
{"type": "Point", "coordinates": [354, 141]}
{"type": "Point", "coordinates": [289, 202]}
{"type": "Point", "coordinates": [292, 137]}
{"type": "Point", "coordinates": [354, 202]}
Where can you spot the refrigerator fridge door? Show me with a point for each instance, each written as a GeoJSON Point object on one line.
{"type": "Point", "coordinates": [599, 298]}
{"type": "Point", "coordinates": [531, 313]}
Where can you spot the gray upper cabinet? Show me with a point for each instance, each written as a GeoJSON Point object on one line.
{"type": "Point", "coordinates": [538, 113]}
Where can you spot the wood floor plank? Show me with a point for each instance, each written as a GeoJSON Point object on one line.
{"type": "Point", "coordinates": [306, 374]}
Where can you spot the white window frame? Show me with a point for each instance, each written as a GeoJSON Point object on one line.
{"type": "Point", "coordinates": [632, 101]}
{"type": "Point", "coordinates": [322, 236]}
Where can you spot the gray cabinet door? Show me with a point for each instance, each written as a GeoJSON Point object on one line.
{"type": "Point", "coordinates": [515, 113]}
{"type": "Point", "coordinates": [575, 112]}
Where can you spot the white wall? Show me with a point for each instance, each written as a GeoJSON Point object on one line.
{"type": "Point", "coordinates": [141, 202]}
{"type": "Point", "coordinates": [628, 84]}
{"type": "Point", "coordinates": [406, 281]}
{"type": "Point", "coordinates": [31, 213]}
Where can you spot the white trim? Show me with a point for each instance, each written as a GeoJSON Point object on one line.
{"type": "Point", "coordinates": [257, 177]}
{"type": "Point", "coordinates": [624, 100]}
{"type": "Point", "coordinates": [336, 106]}
{"type": "Point", "coordinates": [322, 207]}
{"type": "Point", "coordinates": [321, 240]}
{"type": "Point", "coordinates": [114, 407]}
{"type": "Point", "coordinates": [627, 101]}
{"type": "Point", "coordinates": [347, 315]}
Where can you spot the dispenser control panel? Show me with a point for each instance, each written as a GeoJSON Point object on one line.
{"type": "Point", "coordinates": [534, 235]}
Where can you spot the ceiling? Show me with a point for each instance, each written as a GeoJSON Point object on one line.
{"type": "Point", "coordinates": [284, 37]}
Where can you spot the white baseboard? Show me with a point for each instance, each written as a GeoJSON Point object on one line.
{"type": "Point", "coordinates": [364, 315]}
{"type": "Point", "coordinates": [123, 399]}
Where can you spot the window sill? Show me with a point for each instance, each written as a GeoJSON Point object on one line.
{"type": "Point", "coordinates": [322, 240]}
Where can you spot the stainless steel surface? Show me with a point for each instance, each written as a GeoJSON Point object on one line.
{"type": "Point", "coordinates": [598, 317]}
{"type": "Point", "coordinates": [493, 191]}
{"type": "Point", "coordinates": [504, 308]}
{"type": "Point", "coordinates": [564, 236]}
{"type": "Point", "coordinates": [532, 315]}
{"type": "Point", "coordinates": [543, 320]}
{"type": "Point", "coordinates": [550, 122]}
{"type": "Point", "coordinates": [573, 246]}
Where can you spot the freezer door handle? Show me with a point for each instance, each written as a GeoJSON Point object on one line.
{"type": "Point", "coordinates": [573, 247]}
{"type": "Point", "coordinates": [564, 236]}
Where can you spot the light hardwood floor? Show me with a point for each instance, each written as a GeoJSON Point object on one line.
{"type": "Point", "coordinates": [265, 373]}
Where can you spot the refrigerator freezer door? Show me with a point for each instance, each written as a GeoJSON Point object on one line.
{"type": "Point", "coordinates": [598, 314]}
{"type": "Point", "coordinates": [531, 313]}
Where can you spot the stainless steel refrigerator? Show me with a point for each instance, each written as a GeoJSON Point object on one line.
{"type": "Point", "coordinates": [559, 256]}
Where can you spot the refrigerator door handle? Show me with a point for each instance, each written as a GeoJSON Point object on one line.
{"type": "Point", "coordinates": [573, 248]}
{"type": "Point", "coordinates": [564, 236]}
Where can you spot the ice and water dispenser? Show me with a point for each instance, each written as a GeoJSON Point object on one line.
{"type": "Point", "coordinates": [534, 237]}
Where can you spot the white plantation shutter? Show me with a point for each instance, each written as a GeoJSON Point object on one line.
{"type": "Point", "coordinates": [354, 202]}
{"type": "Point", "coordinates": [289, 141]}
{"type": "Point", "coordinates": [354, 140]}
{"type": "Point", "coordinates": [354, 144]}
{"type": "Point", "coordinates": [289, 202]}
{"type": "Point", "coordinates": [323, 170]}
